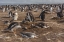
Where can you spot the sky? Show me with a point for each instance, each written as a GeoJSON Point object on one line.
{"type": "Point", "coordinates": [31, 1]}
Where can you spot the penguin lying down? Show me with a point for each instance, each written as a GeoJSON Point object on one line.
{"type": "Point", "coordinates": [28, 35]}
{"type": "Point", "coordinates": [15, 25]}
{"type": "Point", "coordinates": [12, 26]}
{"type": "Point", "coordinates": [39, 25]}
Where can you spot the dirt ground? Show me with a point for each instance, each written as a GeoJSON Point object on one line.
{"type": "Point", "coordinates": [55, 33]}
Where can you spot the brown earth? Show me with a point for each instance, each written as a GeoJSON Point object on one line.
{"type": "Point", "coordinates": [55, 33]}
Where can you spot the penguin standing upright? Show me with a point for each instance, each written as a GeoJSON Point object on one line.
{"type": "Point", "coordinates": [59, 12]}
{"type": "Point", "coordinates": [42, 15]}
{"type": "Point", "coordinates": [16, 16]}
{"type": "Point", "coordinates": [4, 9]}
{"type": "Point", "coordinates": [51, 10]}
{"type": "Point", "coordinates": [10, 13]}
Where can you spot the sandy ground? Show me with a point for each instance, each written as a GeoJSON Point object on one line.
{"type": "Point", "coordinates": [55, 33]}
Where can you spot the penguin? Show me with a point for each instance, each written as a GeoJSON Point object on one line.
{"type": "Point", "coordinates": [15, 16]}
{"type": "Point", "coordinates": [42, 15]}
{"type": "Point", "coordinates": [15, 25]}
{"type": "Point", "coordinates": [12, 25]}
{"type": "Point", "coordinates": [59, 12]}
{"type": "Point", "coordinates": [28, 35]}
{"type": "Point", "coordinates": [29, 17]}
{"type": "Point", "coordinates": [10, 13]}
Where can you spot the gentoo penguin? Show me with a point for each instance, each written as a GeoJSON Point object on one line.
{"type": "Point", "coordinates": [15, 25]}
{"type": "Point", "coordinates": [42, 15]}
{"type": "Point", "coordinates": [39, 25]}
{"type": "Point", "coordinates": [4, 9]}
{"type": "Point", "coordinates": [15, 16]}
{"type": "Point", "coordinates": [12, 25]}
{"type": "Point", "coordinates": [29, 17]}
{"type": "Point", "coordinates": [59, 12]}
{"type": "Point", "coordinates": [10, 13]}
{"type": "Point", "coordinates": [28, 35]}
{"type": "Point", "coordinates": [51, 9]}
